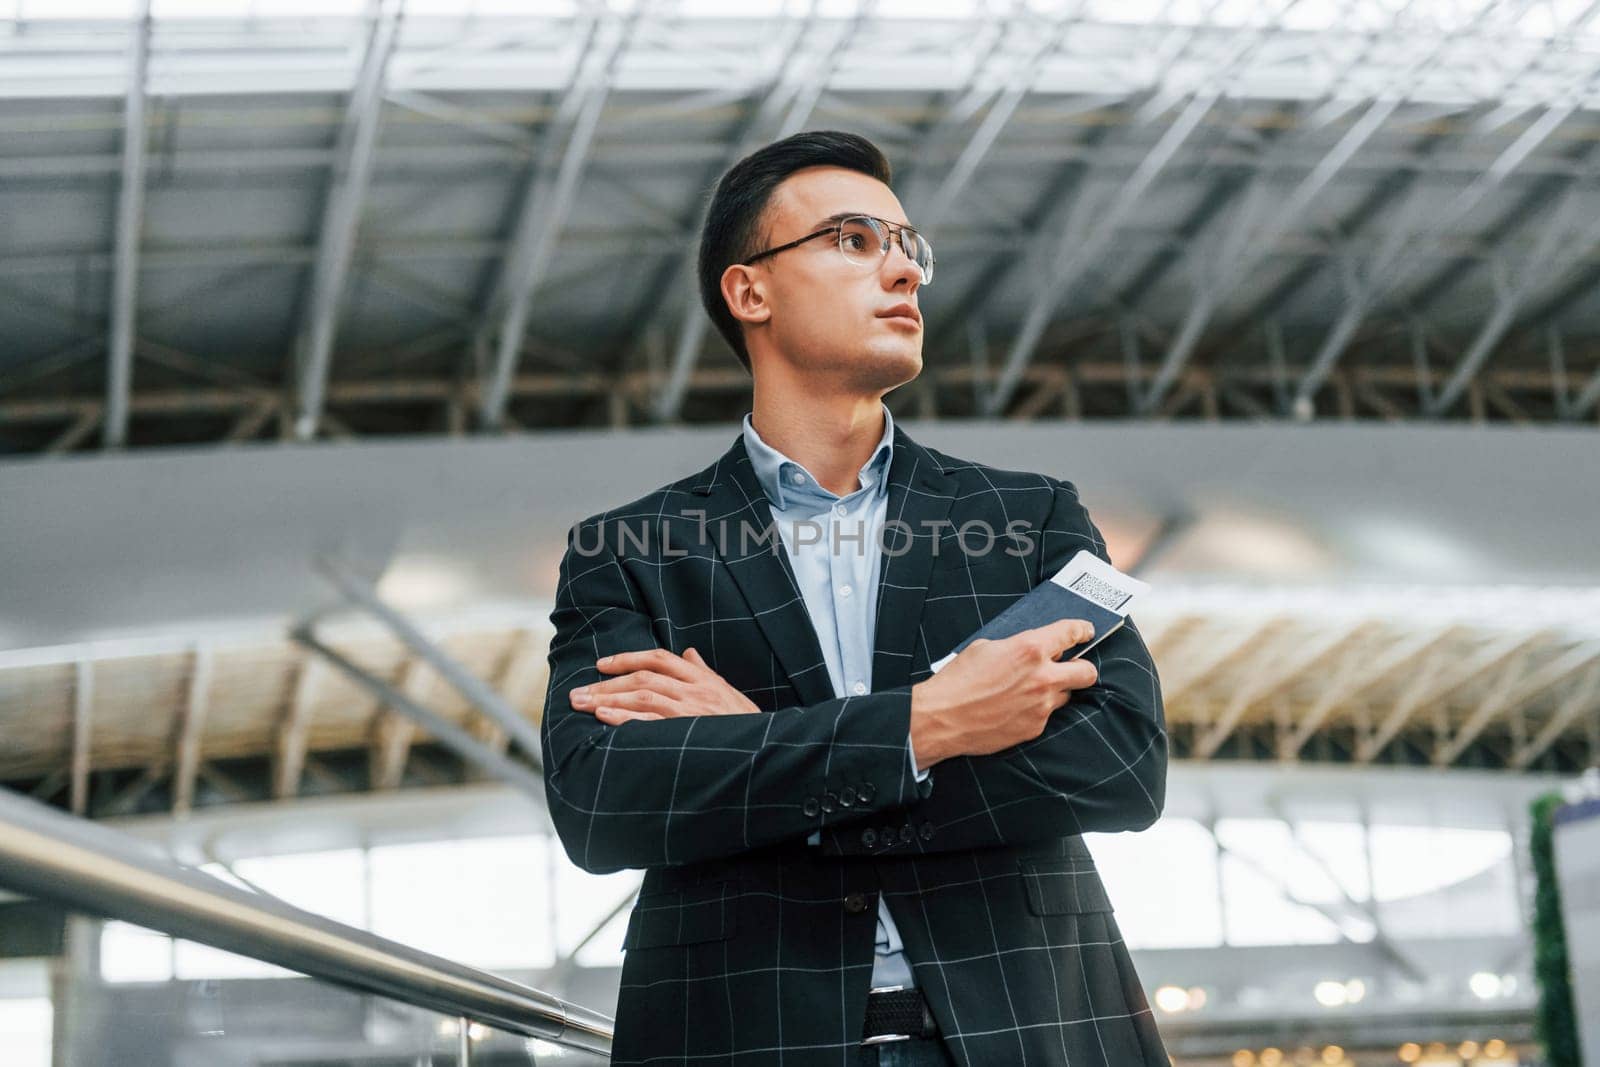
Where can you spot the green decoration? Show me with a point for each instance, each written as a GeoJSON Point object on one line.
{"type": "Point", "coordinates": [1556, 1023]}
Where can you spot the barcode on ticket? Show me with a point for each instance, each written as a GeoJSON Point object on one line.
{"type": "Point", "coordinates": [1099, 592]}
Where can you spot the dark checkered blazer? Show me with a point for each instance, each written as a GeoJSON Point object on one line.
{"type": "Point", "coordinates": [749, 946]}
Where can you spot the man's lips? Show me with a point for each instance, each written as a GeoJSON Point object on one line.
{"type": "Point", "coordinates": [902, 311]}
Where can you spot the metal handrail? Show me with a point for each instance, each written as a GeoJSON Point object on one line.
{"type": "Point", "coordinates": [53, 856]}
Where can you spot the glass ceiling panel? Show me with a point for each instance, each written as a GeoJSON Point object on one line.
{"type": "Point", "coordinates": [1431, 51]}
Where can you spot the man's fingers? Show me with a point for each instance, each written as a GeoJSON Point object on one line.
{"type": "Point", "coordinates": [643, 700]}
{"type": "Point", "coordinates": [642, 680]}
{"type": "Point", "coordinates": [1064, 633]}
{"type": "Point", "coordinates": [653, 659]}
{"type": "Point", "coordinates": [1074, 674]}
{"type": "Point", "coordinates": [618, 716]}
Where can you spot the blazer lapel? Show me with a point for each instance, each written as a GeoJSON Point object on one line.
{"type": "Point", "coordinates": [738, 515]}
{"type": "Point", "coordinates": [920, 495]}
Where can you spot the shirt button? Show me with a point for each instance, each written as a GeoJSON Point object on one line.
{"type": "Point", "coordinates": [844, 590]}
{"type": "Point", "coordinates": [855, 903]}
{"type": "Point", "coordinates": [838, 509]}
{"type": "Point", "coordinates": [797, 478]}
{"type": "Point", "coordinates": [859, 688]}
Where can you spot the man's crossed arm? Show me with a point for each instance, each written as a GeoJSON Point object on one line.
{"type": "Point", "coordinates": [664, 762]}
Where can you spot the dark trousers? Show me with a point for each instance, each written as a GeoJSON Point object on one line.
{"type": "Point", "coordinates": [914, 1052]}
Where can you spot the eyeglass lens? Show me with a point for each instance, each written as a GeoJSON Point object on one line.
{"type": "Point", "coordinates": [865, 241]}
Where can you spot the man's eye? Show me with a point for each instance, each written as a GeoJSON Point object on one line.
{"type": "Point", "coordinates": [854, 242]}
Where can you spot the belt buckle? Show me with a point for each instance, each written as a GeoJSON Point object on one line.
{"type": "Point", "coordinates": [884, 1039]}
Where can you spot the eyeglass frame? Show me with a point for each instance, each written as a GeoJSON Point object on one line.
{"type": "Point", "coordinates": [836, 227]}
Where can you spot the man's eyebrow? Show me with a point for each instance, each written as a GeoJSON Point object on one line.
{"type": "Point", "coordinates": [842, 215]}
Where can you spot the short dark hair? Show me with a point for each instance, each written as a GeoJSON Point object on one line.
{"type": "Point", "coordinates": [734, 229]}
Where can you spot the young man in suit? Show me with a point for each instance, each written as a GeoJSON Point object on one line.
{"type": "Point", "coordinates": [849, 859]}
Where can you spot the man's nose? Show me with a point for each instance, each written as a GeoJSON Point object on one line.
{"type": "Point", "coordinates": [898, 267]}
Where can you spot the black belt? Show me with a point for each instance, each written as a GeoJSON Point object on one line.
{"type": "Point", "coordinates": [895, 1013]}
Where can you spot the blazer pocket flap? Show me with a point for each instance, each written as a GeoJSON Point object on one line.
{"type": "Point", "coordinates": [1064, 887]}
{"type": "Point", "coordinates": [682, 917]}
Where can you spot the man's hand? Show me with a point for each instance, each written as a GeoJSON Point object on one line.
{"type": "Point", "coordinates": [656, 684]}
{"type": "Point", "coordinates": [996, 694]}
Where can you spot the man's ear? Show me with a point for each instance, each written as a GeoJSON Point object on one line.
{"type": "Point", "coordinates": [744, 291]}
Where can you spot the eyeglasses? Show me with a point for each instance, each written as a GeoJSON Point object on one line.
{"type": "Point", "coordinates": [864, 241]}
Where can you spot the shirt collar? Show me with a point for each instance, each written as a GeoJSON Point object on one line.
{"type": "Point", "coordinates": [774, 470]}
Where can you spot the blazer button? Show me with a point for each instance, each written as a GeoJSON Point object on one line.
{"type": "Point", "coordinates": [907, 834]}
{"type": "Point", "coordinates": [869, 837]}
{"type": "Point", "coordinates": [887, 833]}
{"type": "Point", "coordinates": [855, 903]}
{"type": "Point", "coordinates": [830, 801]}
{"type": "Point", "coordinates": [811, 808]}
{"type": "Point", "coordinates": [847, 797]}
{"type": "Point", "coordinates": [867, 791]}
{"type": "Point", "coordinates": [927, 831]}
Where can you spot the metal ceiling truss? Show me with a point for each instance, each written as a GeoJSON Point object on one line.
{"type": "Point", "coordinates": [1086, 389]}
{"type": "Point", "coordinates": [351, 711]}
{"type": "Point", "coordinates": [564, 103]}
{"type": "Point", "coordinates": [375, 714]}
{"type": "Point", "coordinates": [784, 108]}
{"type": "Point", "coordinates": [547, 199]}
{"type": "Point", "coordinates": [130, 224]}
{"type": "Point", "coordinates": [341, 217]}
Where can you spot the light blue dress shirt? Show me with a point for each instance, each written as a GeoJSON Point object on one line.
{"type": "Point", "coordinates": [834, 546]}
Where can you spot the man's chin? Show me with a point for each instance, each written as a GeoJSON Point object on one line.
{"type": "Point", "coordinates": [887, 369]}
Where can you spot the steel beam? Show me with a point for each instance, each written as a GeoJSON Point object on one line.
{"type": "Point", "coordinates": [482, 695]}
{"type": "Point", "coordinates": [1273, 672]}
{"type": "Point", "coordinates": [1215, 288]}
{"type": "Point", "coordinates": [1581, 700]}
{"type": "Point", "coordinates": [1249, 249]}
{"type": "Point", "coordinates": [929, 210]}
{"type": "Point", "coordinates": [1402, 255]}
{"type": "Point", "coordinates": [130, 225]}
{"type": "Point", "coordinates": [191, 725]}
{"type": "Point", "coordinates": [1358, 674]}
{"type": "Point", "coordinates": [1435, 678]}
{"type": "Point", "coordinates": [1545, 266]}
{"type": "Point", "coordinates": [1221, 652]}
{"type": "Point", "coordinates": [1249, 390]}
{"type": "Point", "coordinates": [1495, 701]}
{"type": "Point", "coordinates": [778, 96]}
{"type": "Point", "coordinates": [341, 218]}
{"type": "Point", "coordinates": [393, 731]}
{"type": "Point", "coordinates": [447, 733]}
{"type": "Point", "coordinates": [547, 199]}
{"type": "Point", "coordinates": [290, 740]}
{"type": "Point", "coordinates": [1073, 258]}
{"type": "Point", "coordinates": [1587, 398]}
{"type": "Point", "coordinates": [82, 731]}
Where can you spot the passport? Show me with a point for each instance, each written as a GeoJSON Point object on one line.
{"type": "Point", "coordinates": [1086, 588]}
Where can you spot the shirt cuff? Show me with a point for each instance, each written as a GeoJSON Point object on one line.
{"type": "Point", "coordinates": [911, 754]}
